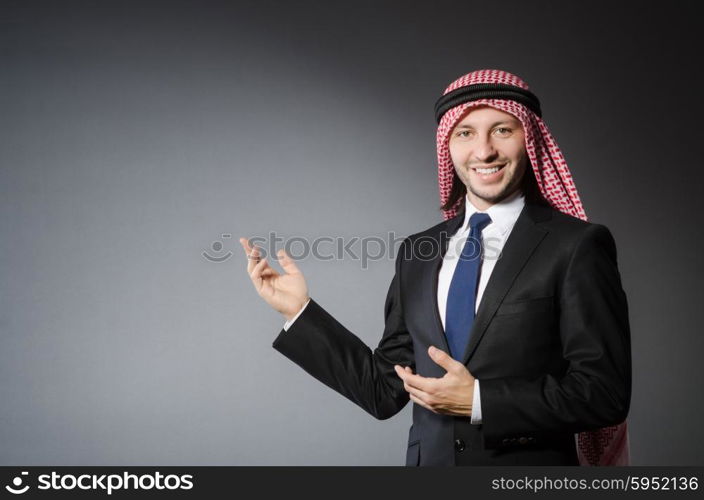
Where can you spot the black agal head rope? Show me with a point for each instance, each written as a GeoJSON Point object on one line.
{"type": "Point", "coordinates": [486, 91]}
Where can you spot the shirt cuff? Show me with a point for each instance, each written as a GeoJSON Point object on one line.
{"type": "Point", "coordinates": [476, 405]}
{"type": "Point", "coordinates": [288, 324]}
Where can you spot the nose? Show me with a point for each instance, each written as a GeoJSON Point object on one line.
{"type": "Point", "coordinates": [485, 151]}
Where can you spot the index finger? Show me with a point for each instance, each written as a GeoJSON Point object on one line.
{"type": "Point", "coordinates": [253, 257]}
{"type": "Point", "coordinates": [245, 244]}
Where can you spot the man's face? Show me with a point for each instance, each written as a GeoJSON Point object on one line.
{"type": "Point", "coordinates": [487, 138]}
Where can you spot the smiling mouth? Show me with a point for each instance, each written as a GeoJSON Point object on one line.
{"type": "Point", "coordinates": [489, 170]}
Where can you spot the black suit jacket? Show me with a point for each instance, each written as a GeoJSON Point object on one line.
{"type": "Point", "coordinates": [550, 345]}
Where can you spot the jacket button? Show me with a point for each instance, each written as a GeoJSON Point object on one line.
{"type": "Point", "coordinates": [506, 441]}
{"type": "Point", "coordinates": [459, 445]}
{"type": "Point", "coordinates": [523, 440]}
{"type": "Point", "coordinates": [531, 440]}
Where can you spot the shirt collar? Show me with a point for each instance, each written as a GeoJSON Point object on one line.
{"type": "Point", "coordinates": [503, 214]}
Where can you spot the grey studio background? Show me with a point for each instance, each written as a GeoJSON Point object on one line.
{"type": "Point", "coordinates": [134, 135]}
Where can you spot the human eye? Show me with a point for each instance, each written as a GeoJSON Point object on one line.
{"type": "Point", "coordinates": [505, 131]}
{"type": "Point", "coordinates": [463, 133]}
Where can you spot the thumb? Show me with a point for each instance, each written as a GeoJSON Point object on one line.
{"type": "Point", "coordinates": [287, 263]}
{"type": "Point", "coordinates": [442, 358]}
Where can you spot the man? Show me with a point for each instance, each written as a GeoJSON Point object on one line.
{"type": "Point", "coordinates": [506, 325]}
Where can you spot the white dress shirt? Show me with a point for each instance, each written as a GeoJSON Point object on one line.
{"type": "Point", "coordinates": [503, 217]}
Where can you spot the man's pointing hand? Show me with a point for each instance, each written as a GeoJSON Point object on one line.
{"type": "Point", "coordinates": [450, 395]}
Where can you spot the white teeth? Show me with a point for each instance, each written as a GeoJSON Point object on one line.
{"type": "Point", "coordinates": [488, 170]}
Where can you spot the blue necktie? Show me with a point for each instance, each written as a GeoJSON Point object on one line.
{"type": "Point", "coordinates": [459, 315]}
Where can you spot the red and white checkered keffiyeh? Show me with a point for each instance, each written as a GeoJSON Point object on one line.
{"type": "Point", "coordinates": [607, 446]}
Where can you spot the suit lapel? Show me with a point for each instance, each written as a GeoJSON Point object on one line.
{"type": "Point", "coordinates": [450, 227]}
{"type": "Point", "coordinates": [524, 238]}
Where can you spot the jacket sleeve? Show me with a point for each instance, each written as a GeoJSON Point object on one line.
{"type": "Point", "coordinates": [328, 351]}
{"type": "Point", "coordinates": [594, 331]}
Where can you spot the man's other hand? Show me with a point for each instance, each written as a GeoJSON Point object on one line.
{"type": "Point", "coordinates": [450, 395]}
{"type": "Point", "coordinates": [287, 293]}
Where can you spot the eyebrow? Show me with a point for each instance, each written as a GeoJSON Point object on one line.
{"type": "Point", "coordinates": [502, 122]}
